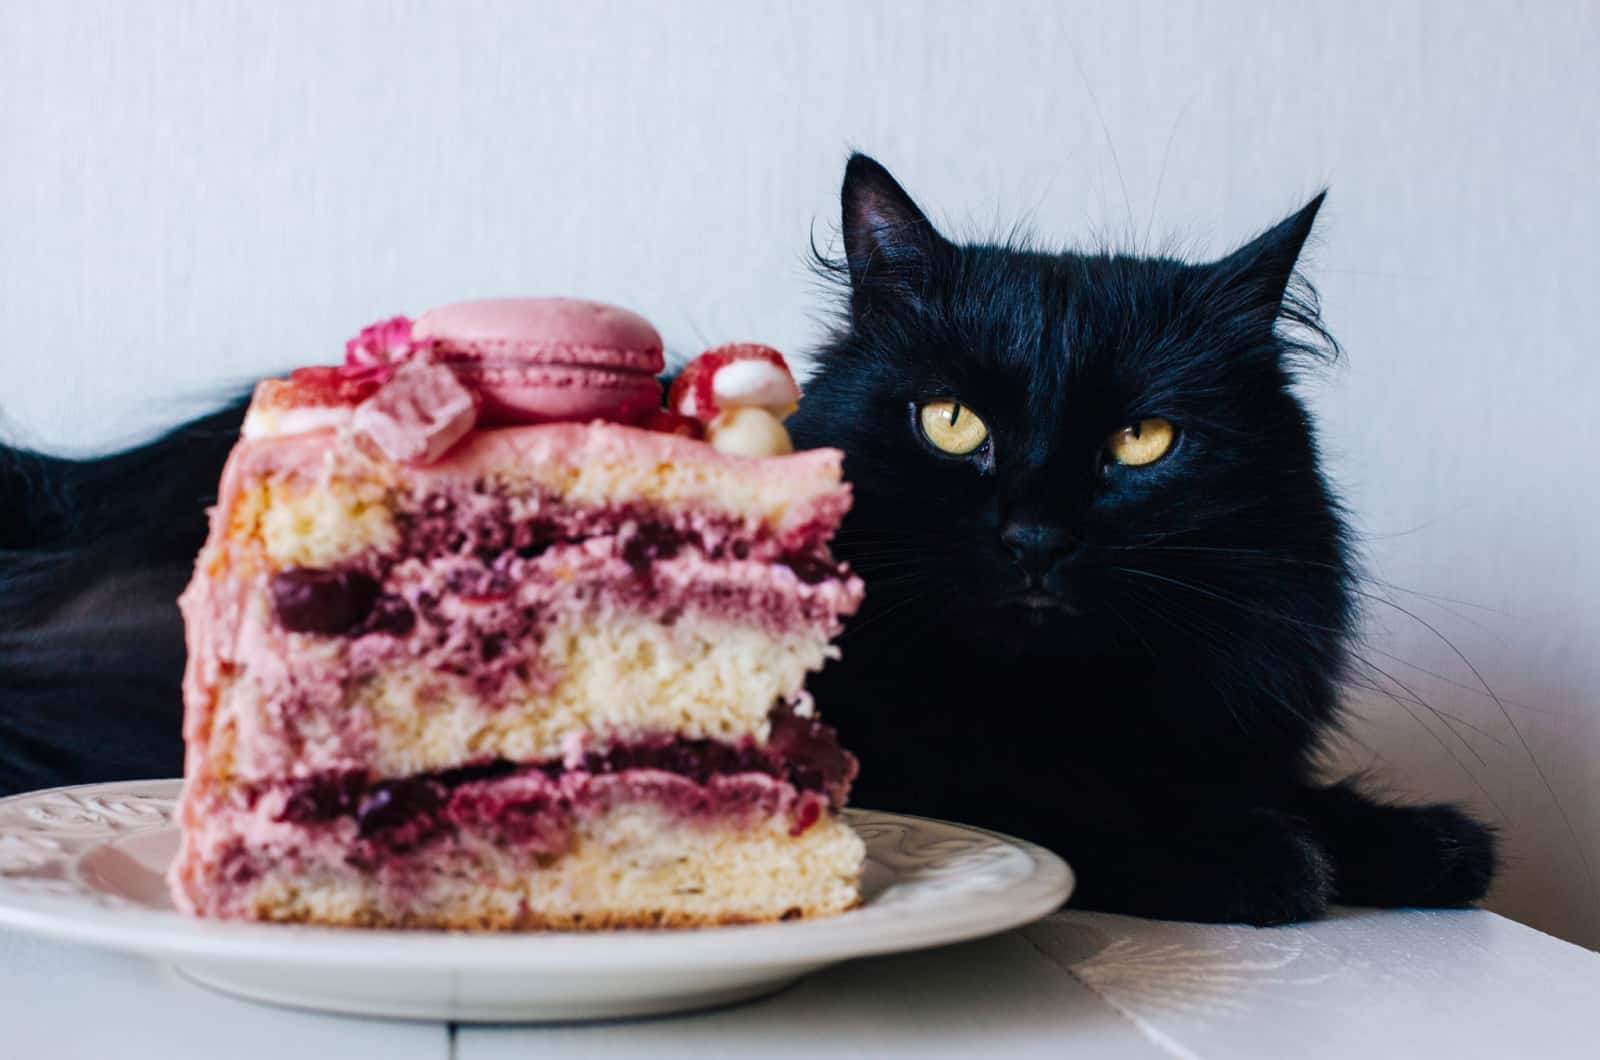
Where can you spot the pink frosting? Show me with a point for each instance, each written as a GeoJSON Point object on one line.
{"type": "Point", "coordinates": [810, 479]}
{"type": "Point", "coordinates": [418, 414]}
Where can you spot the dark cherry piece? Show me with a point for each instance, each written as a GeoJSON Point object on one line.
{"type": "Point", "coordinates": [390, 614]}
{"type": "Point", "coordinates": [809, 568]}
{"type": "Point", "coordinates": [810, 750]}
{"type": "Point", "coordinates": [326, 796]}
{"type": "Point", "coordinates": [650, 543]}
{"type": "Point", "coordinates": [393, 802]}
{"type": "Point", "coordinates": [310, 600]}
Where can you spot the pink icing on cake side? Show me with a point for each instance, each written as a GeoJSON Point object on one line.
{"type": "Point", "coordinates": [802, 475]}
{"type": "Point", "coordinates": [816, 498]}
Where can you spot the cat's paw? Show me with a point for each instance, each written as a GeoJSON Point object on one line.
{"type": "Point", "coordinates": [1230, 866]}
{"type": "Point", "coordinates": [1273, 871]}
{"type": "Point", "coordinates": [1387, 854]}
{"type": "Point", "coordinates": [1433, 856]}
{"type": "Point", "coordinates": [1464, 853]}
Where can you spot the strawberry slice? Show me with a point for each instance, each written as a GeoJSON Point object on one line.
{"type": "Point", "coordinates": [322, 385]}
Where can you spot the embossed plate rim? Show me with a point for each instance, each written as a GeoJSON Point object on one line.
{"type": "Point", "coordinates": [1005, 883]}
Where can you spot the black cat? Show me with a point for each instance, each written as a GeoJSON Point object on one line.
{"type": "Point", "coordinates": [1109, 591]}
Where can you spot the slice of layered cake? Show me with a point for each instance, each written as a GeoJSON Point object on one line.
{"type": "Point", "coordinates": [484, 638]}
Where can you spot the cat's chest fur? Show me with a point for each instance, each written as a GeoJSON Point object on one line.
{"type": "Point", "coordinates": [990, 738]}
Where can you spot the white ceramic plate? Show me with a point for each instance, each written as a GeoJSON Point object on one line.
{"type": "Point", "coordinates": [85, 864]}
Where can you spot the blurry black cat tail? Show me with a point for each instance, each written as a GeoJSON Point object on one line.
{"type": "Point", "coordinates": [93, 554]}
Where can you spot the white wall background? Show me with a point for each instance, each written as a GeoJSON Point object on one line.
{"type": "Point", "coordinates": [194, 194]}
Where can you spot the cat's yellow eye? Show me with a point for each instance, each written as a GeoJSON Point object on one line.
{"type": "Point", "coordinates": [951, 427]}
{"type": "Point", "coordinates": [1141, 443]}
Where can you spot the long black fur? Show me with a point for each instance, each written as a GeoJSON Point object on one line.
{"type": "Point", "coordinates": [1157, 721]}
{"type": "Point", "coordinates": [1154, 710]}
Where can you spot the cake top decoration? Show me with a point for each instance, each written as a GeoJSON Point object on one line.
{"type": "Point", "coordinates": [413, 388]}
{"type": "Point", "coordinates": [417, 415]}
{"type": "Point", "coordinates": [742, 392]}
{"type": "Point", "coordinates": [737, 375]}
{"type": "Point", "coordinates": [386, 342]}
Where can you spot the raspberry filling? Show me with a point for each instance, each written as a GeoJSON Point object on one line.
{"type": "Point", "coordinates": [802, 752]}
{"type": "Point", "coordinates": [489, 527]}
{"type": "Point", "coordinates": [488, 552]}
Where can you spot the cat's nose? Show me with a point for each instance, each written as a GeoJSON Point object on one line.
{"type": "Point", "coordinates": [1037, 546]}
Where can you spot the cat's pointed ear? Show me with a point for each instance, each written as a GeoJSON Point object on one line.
{"type": "Point", "coordinates": [890, 245]}
{"type": "Point", "coordinates": [1259, 272]}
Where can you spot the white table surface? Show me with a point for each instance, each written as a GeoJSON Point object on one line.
{"type": "Point", "coordinates": [1362, 984]}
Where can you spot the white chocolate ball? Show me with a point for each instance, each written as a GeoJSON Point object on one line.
{"type": "Point", "coordinates": [755, 384]}
{"type": "Point", "coordinates": [748, 432]}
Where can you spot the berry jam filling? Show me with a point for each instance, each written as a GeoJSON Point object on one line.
{"type": "Point", "coordinates": [351, 602]}
{"type": "Point", "coordinates": [802, 751]}
{"type": "Point", "coordinates": [492, 530]}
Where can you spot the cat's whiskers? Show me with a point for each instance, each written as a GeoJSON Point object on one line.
{"type": "Point", "coordinates": [1356, 658]}
{"type": "Point", "coordinates": [1265, 612]}
{"type": "Point", "coordinates": [1270, 557]}
{"type": "Point", "coordinates": [1131, 627]}
{"type": "Point", "coordinates": [1240, 661]}
{"type": "Point", "coordinates": [1404, 704]}
{"type": "Point", "coordinates": [1412, 696]}
{"type": "Point", "coordinates": [884, 554]}
{"type": "Point", "coordinates": [1197, 629]}
{"type": "Point", "coordinates": [881, 585]}
{"type": "Point", "coordinates": [879, 616]}
{"type": "Point", "coordinates": [1463, 686]}
{"type": "Point", "coordinates": [1446, 718]}
{"type": "Point", "coordinates": [1561, 809]}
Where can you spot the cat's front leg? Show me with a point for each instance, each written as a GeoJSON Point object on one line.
{"type": "Point", "coordinates": [1229, 864]}
{"type": "Point", "coordinates": [1387, 854]}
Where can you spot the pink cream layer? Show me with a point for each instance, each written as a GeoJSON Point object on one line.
{"type": "Point", "coordinates": [484, 625]}
{"type": "Point", "coordinates": [462, 604]}
{"type": "Point", "coordinates": [529, 817]}
{"type": "Point", "coordinates": [453, 617]}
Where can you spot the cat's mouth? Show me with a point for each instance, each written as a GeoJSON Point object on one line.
{"type": "Point", "coordinates": [1035, 602]}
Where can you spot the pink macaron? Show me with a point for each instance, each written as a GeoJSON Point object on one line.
{"type": "Point", "coordinates": [535, 360]}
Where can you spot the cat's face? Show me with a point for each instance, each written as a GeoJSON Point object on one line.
{"type": "Point", "coordinates": [1055, 450]}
